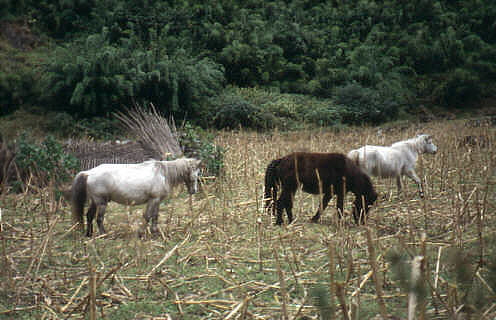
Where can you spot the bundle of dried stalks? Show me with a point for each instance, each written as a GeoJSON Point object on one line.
{"type": "Point", "coordinates": [92, 154]}
{"type": "Point", "coordinates": [153, 130]}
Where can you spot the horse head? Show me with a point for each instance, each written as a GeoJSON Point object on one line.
{"type": "Point", "coordinates": [367, 199]}
{"type": "Point", "coordinates": [191, 178]}
{"type": "Point", "coordinates": [427, 145]}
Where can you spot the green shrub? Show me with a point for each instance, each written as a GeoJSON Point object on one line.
{"type": "Point", "coordinates": [198, 143]}
{"type": "Point", "coordinates": [98, 128]}
{"type": "Point", "coordinates": [460, 88]}
{"type": "Point", "coordinates": [45, 162]}
{"type": "Point", "coordinates": [61, 123]}
{"type": "Point", "coordinates": [358, 105]}
{"type": "Point", "coordinates": [96, 78]}
{"type": "Point", "coordinates": [322, 115]}
{"type": "Point", "coordinates": [235, 112]}
{"type": "Point", "coordinates": [15, 90]}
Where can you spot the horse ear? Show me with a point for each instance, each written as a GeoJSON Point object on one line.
{"type": "Point", "coordinates": [197, 163]}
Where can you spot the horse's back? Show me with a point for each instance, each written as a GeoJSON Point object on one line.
{"type": "Point", "coordinates": [381, 160]}
{"type": "Point", "coordinates": [124, 183]}
{"type": "Point", "coordinates": [315, 170]}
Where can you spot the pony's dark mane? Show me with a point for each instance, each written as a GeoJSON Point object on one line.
{"type": "Point", "coordinates": [317, 173]}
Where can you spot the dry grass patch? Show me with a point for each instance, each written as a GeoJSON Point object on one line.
{"type": "Point", "coordinates": [219, 256]}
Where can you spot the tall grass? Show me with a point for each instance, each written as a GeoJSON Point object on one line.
{"type": "Point", "coordinates": [219, 256]}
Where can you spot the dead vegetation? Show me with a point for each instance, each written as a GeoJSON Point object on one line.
{"type": "Point", "coordinates": [219, 256]}
{"type": "Point", "coordinates": [155, 138]}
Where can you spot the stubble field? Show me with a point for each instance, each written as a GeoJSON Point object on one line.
{"type": "Point", "coordinates": [219, 255]}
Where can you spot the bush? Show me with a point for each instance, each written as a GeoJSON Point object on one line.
{"type": "Point", "coordinates": [322, 115]}
{"type": "Point", "coordinates": [96, 78]}
{"type": "Point", "coordinates": [15, 90]}
{"type": "Point", "coordinates": [97, 128]}
{"type": "Point", "coordinates": [234, 112]}
{"type": "Point", "coordinates": [46, 162]}
{"type": "Point", "coordinates": [461, 87]}
{"type": "Point", "coordinates": [197, 143]}
{"type": "Point", "coordinates": [358, 105]}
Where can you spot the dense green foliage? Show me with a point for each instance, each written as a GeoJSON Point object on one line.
{"type": "Point", "coordinates": [371, 58]}
{"type": "Point", "coordinates": [44, 163]}
{"type": "Point", "coordinates": [199, 144]}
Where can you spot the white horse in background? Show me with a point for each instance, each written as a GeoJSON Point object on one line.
{"type": "Point", "coordinates": [131, 184]}
{"type": "Point", "coordinates": [395, 161]}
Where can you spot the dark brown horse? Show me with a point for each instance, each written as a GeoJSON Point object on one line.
{"type": "Point", "coordinates": [317, 173]}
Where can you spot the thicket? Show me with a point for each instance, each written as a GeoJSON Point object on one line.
{"type": "Point", "coordinates": [43, 163]}
{"type": "Point", "coordinates": [366, 59]}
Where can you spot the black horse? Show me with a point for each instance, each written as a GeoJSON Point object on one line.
{"type": "Point", "coordinates": [317, 173]}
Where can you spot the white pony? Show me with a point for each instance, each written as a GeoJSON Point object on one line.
{"type": "Point", "coordinates": [395, 161]}
{"type": "Point", "coordinates": [148, 182]}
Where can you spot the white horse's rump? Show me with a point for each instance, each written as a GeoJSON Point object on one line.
{"type": "Point", "coordinates": [394, 161]}
{"type": "Point", "coordinates": [148, 182]}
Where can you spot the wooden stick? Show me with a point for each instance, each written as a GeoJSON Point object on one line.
{"type": "Point", "coordinates": [259, 244]}
{"type": "Point", "coordinates": [342, 300]}
{"type": "Point", "coordinates": [7, 268]}
{"type": "Point", "coordinates": [332, 265]}
{"type": "Point", "coordinates": [421, 283]}
{"type": "Point", "coordinates": [92, 293]}
{"type": "Point", "coordinates": [282, 282]}
{"type": "Point", "coordinates": [365, 279]}
{"type": "Point", "coordinates": [375, 274]}
{"type": "Point", "coordinates": [415, 280]}
{"type": "Point", "coordinates": [436, 278]}
{"type": "Point", "coordinates": [168, 255]}
{"type": "Point", "coordinates": [485, 283]}
{"type": "Point", "coordinates": [169, 289]}
{"type": "Point", "coordinates": [83, 282]}
{"type": "Point", "coordinates": [240, 306]}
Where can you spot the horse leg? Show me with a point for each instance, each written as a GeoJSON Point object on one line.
{"type": "Point", "coordinates": [151, 212]}
{"type": "Point", "coordinates": [89, 218]}
{"type": "Point", "coordinates": [412, 175]}
{"type": "Point", "coordinates": [398, 183]}
{"type": "Point", "coordinates": [284, 202]}
{"type": "Point", "coordinates": [154, 214]}
{"type": "Point", "coordinates": [325, 201]}
{"type": "Point", "coordinates": [340, 203]}
{"type": "Point", "coordinates": [358, 211]}
{"type": "Point", "coordinates": [100, 217]}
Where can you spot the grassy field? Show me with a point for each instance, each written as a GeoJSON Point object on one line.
{"type": "Point", "coordinates": [219, 256]}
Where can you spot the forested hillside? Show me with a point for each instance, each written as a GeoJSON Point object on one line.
{"type": "Point", "coordinates": [336, 61]}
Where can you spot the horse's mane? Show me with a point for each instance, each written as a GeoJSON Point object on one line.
{"type": "Point", "coordinates": [176, 169]}
{"type": "Point", "coordinates": [412, 143]}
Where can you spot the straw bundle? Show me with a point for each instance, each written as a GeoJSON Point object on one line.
{"type": "Point", "coordinates": [154, 131]}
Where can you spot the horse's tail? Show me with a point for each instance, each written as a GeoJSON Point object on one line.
{"type": "Point", "coordinates": [271, 182]}
{"type": "Point", "coordinates": [354, 155]}
{"type": "Point", "coordinates": [78, 198]}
